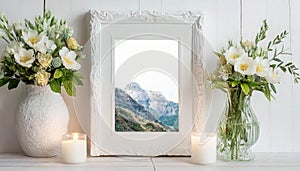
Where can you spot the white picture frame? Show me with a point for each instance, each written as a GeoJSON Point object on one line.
{"type": "Point", "coordinates": [107, 26]}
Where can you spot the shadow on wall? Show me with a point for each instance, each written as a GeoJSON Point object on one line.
{"type": "Point", "coordinates": [79, 106]}
{"type": "Point", "coordinates": [9, 102]}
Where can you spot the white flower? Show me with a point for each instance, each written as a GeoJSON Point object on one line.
{"type": "Point", "coordinates": [261, 66]}
{"type": "Point", "coordinates": [14, 47]}
{"type": "Point", "coordinates": [25, 57]}
{"type": "Point", "coordinates": [50, 45]}
{"type": "Point", "coordinates": [273, 76]}
{"type": "Point", "coordinates": [232, 54]}
{"type": "Point", "coordinates": [17, 25]}
{"type": "Point", "coordinates": [245, 65]}
{"type": "Point", "coordinates": [35, 40]}
{"type": "Point", "coordinates": [68, 59]}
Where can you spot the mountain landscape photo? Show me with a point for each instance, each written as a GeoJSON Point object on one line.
{"type": "Point", "coordinates": [139, 110]}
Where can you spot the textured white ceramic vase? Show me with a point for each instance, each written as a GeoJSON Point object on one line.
{"type": "Point", "coordinates": [42, 119]}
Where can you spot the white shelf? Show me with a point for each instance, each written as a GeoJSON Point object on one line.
{"type": "Point", "coordinates": [263, 162]}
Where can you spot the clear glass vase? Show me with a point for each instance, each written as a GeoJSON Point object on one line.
{"type": "Point", "coordinates": [238, 128]}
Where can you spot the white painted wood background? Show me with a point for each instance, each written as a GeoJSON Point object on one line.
{"type": "Point", "coordinates": [224, 19]}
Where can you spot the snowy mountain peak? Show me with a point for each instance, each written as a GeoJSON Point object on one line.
{"type": "Point", "coordinates": [156, 103]}
{"type": "Point", "coordinates": [133, 86]}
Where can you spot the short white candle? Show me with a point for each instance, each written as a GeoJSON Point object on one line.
{"type": "Point", "coordinates": [203, 149]}
{"type": "Point", "coordinates": [73, 148]}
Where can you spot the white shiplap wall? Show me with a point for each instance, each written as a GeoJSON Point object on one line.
{"type": "Point", "coordinates": [223, 20]}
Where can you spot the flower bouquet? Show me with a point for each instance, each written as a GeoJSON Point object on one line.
{"type": "Point", "coordinates": [40, 53]}
{"type": "Point", "coordinates": [242, 69]}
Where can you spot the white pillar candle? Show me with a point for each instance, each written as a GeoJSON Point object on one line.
{"type": "Point", "coordinates": [73, 148]}
{"type": "Point", "coordinates": [204, 148]}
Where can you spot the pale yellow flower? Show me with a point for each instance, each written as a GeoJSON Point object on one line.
{"type": "Point", "coordinates": [42, 78]}
{"type": "Point", "coordinates": [247, 43]}
{"type": "Point", "coordinates": [222, 60]}
{"type": "Point", "coordinates": [44, 60]}
{"type": "Point", "coordinates": [72, 43]}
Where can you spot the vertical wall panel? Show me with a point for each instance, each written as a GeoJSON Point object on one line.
{"type": "Point", "coordinates": [227, 28]}
{"type": "Point", "coordinates": [14, 10]}
{"type": "Point", "coordinates": [228, 21]}
{"type": "Point", "coordinates": [280, 108]}
{"type": "Point", "coordinates": [210, 17]}
{"type": "Point", "coordinates": [76, 12]}
{"type": "Point", "coordinates": [253, 13]}
{"type": "Point", "coordinates": [295, 47]}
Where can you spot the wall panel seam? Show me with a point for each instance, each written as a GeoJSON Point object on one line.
{"type": "Point", "coordinates": [292, 87]}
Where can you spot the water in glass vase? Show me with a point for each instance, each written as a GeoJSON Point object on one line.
{"type": "Point", "coordinates": [238, 128]}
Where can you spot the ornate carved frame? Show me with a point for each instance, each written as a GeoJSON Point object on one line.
{"type": "Point", "coordinates": [100, 18]}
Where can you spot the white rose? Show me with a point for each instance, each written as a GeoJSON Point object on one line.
{"type": "Point", "coordinates": [44, 60]}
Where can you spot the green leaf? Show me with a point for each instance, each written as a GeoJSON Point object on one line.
{"type": "Point", "coordinates": [277, 60]}
{"type": "Point", "coordinates": [58, 73]}
{"type": "Point", "coordinates": [13, 84]}
{"type": "Point", "coordinates": [55, 85]}
{"type": "Point", "coordinates": [288, 64]}
{"type": "Point", "coordinates": [273, 88]}
{"type": "Point", "coordinates": [267, 92]}
{"type": "Point", "coordinates": [283, 68]}
{"type": "Point", "coordinates": [69, 87]}
{"type": "Point", "coordinates": [245, 88]}
{"type": "Point", "coordinates": [252, 83]}
{"type": "Point", "coordinates": [234, 83]}
{"type": "Point", "coordinates": [77, 80]}
{"type": "Point", "coordinates": [4, 81]}
{"type": "Point", "coordinates": [217, 54]}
